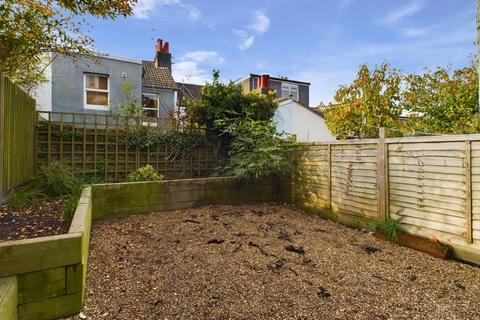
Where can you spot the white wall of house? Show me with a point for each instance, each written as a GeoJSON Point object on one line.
{"type": "Point", "coordinates": [293, 118]}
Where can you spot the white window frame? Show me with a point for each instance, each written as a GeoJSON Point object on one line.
{"type": "Point", "coordinates": [289, 87]}
{"type": "Point", "coordinates": [155, 96]}
{"type": "Point", "coordinates": [85, 89]}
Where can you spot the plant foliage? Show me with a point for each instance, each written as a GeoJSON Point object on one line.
{"type": "Point", "coordinates": [55, 179]}
{"type": "Point", "coordinates": [257, 150]}
{"type": "Point", "coordinates": [373, 100]}
{"type": "Point", "coordinates": [443, 101]}
{"type": "Point", "coordinates": [221, 101]}
{"type": "Point", "coordinates": [390, 227]}
{"type": "Point", "coordinates": [30, 28]}
{"type": "Point", "coordinates": [146, 173]}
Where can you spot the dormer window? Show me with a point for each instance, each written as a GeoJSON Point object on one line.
{"type": "Point", "coordinates": [289, 89]}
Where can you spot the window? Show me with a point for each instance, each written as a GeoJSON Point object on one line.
{"type": "Point", "coordinates": [290, 90]}
{"type": "Point", "coordinates": [96, 91]}
{"type": "Point", "coordinates": [150, 105]}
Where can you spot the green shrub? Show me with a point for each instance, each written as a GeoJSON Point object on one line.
{"type": "Point", "coordinates": [257, 149]}
{"type": "Point", "coordinates": [147, 173]}
{"type": "Point", "coordinates": [55, 179]}
{"type": "Point", "coordinates": [390, 227]}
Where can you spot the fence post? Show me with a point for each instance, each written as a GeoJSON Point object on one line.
{"type": "Point", "coordinates": [468, 196]}
{"type": "Point", "coordinates": [329, 160]}
{"type": "Point", "coordinates": [382, 175]}
{"type": "Point", "coordinates": [2, 133]}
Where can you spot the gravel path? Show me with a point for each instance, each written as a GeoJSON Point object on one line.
{"type": "Point", "coordinates": [265, 262]}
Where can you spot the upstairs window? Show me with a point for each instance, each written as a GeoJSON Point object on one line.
{"type": "Point", "coordinates": [290, 90]}
{"type": "Point", "coordinates": [96, 91]}
{"type": "Point", "coordinates": [150, 105]}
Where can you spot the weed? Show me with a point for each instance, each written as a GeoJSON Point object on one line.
{"type": "Point", "coordinates": [73, 198]}
{"type": "Point", "coordinates": [19, 197]}
{"type": "Point", "coordinates": [390, 227]}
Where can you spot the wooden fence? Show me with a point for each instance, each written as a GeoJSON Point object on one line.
{"type": "Point", "coordinates": [17, 123]}
{"type": "Point", "coordinates": [97, 145]}
{"type": "Point", "coordinates": [431, 185]}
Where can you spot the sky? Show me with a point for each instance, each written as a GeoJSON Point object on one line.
{"type": "Point", "coordinates": [318, 41]}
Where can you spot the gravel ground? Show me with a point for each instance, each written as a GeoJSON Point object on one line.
{"type": "Point", "coordinates": [265, 262]}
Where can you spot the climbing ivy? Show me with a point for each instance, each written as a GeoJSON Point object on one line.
{"type": "Point", "coordinates": [180, 144]}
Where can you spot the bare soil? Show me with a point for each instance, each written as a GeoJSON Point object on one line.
{"type": "Point", "coordinates": [265, 262]}
{"type": "Point", "coordinates": [38, 219]}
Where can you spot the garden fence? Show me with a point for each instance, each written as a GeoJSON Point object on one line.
{"type": "Point", "coordinates": [431, 185]}
{"type": "Point", "coordinates": [97, 145]}
{"type": "Point", "coordinates": [17, 123]}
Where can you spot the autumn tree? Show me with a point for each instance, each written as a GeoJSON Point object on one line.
{"type": "Point", "coordinates": [443, 101]}
{"type": "Point", "coordinates": [31, 28]}
{"type": "Point", "coordinates": [373, 100]}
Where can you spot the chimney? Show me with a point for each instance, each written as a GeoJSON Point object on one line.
{"type": "Point", "coordinates": [163, 58]}
{"type": "Point", "coordinates": [264, 83]}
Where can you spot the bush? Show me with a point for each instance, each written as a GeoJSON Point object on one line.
{"type": "Point", "coordinates": [147, 173]}
{"type": "Point", "coordinates": [56, 179]}
{"type": "Point", "coordinates": [258, 150]}
{"type": "Point", "coordinates": [390, 227]}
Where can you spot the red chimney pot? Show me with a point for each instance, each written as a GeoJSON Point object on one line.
{"type": "Point", "coordinates": [158, 46]}
{"type": "Point", "coordinates": [166, 48]}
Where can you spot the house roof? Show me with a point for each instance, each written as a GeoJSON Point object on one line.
{"type": "Point", "coordinates": [284, 100]}
{"type": "Point", "coordinates": [282, 79]}
{"type": "Point", "coordinates": [189, 91]}
{"type": "Point", "coordinates": [157, 77]}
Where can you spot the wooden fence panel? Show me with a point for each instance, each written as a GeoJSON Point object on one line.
{"type": "Point", "coordinates": [17, 123]}
{"type": "Point", "coordinates": [354, 183]}
{"type": "Point", "coordinates": [427, 186]}
{"type": "Point", "coordinates": [431, 185]}
{"type": "Point", "coordinates": [97, 146]}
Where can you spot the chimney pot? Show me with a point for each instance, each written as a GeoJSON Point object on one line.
{"type": "Point", "coordinates": [166, 48]}
{"type": "Point", "coordinates": [158, 46]}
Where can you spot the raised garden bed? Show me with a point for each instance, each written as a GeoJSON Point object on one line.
{"type": "Point", "coordinates": [265, 262]}
{"type": "Point", "coordinates": [44, 277]}
{"type": "Point", "coordinates": [39, 219]}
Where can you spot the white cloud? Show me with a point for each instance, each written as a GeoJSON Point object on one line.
{"type": "Point", "coordinates": [246, 42]}
{"type": "Point", "coordinates": [145, 8]}
{"type": "Point", "coordinates": [415, 32]}
{"type": "Point", "coordinates": [396, 15]}
{"type": "Point", "coordinates": [196, 66]}
{"type": "Point", "coordinates": [259, 24]}
{"type": "Point", "coordinates": [211, 57]}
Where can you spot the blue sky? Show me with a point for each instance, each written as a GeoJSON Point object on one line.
{"type": "Point", "coordinates": [318, 41]}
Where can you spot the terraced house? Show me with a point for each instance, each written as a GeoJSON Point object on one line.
{"type": "Point", "coordinates": [93, 84]}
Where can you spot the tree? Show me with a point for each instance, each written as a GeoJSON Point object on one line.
{"type": "Point", "coordinates": [373, 100]}
{"type": "Point", "coordinates": [221, 101]}
{"type": "Point", "coordinates": [31, 28]}
{"type": "Point", "coordinates": [443, 101]}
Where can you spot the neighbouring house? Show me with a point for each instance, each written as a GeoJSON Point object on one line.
{"type": "Point", "coordinates": [306, 123]}
{"type": "Point", "coordinates": [159, 89]}
{"type": "Point", "coordinates": [293, 115]}
{"type": "Point", "coordinates": [187, 91]}
{"type": "Point", "coordinates": [284, 87]}
{"type": "Point", "coordinates": [84, 84]}
{"type": "Point", "coordinates": [93, 84]}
